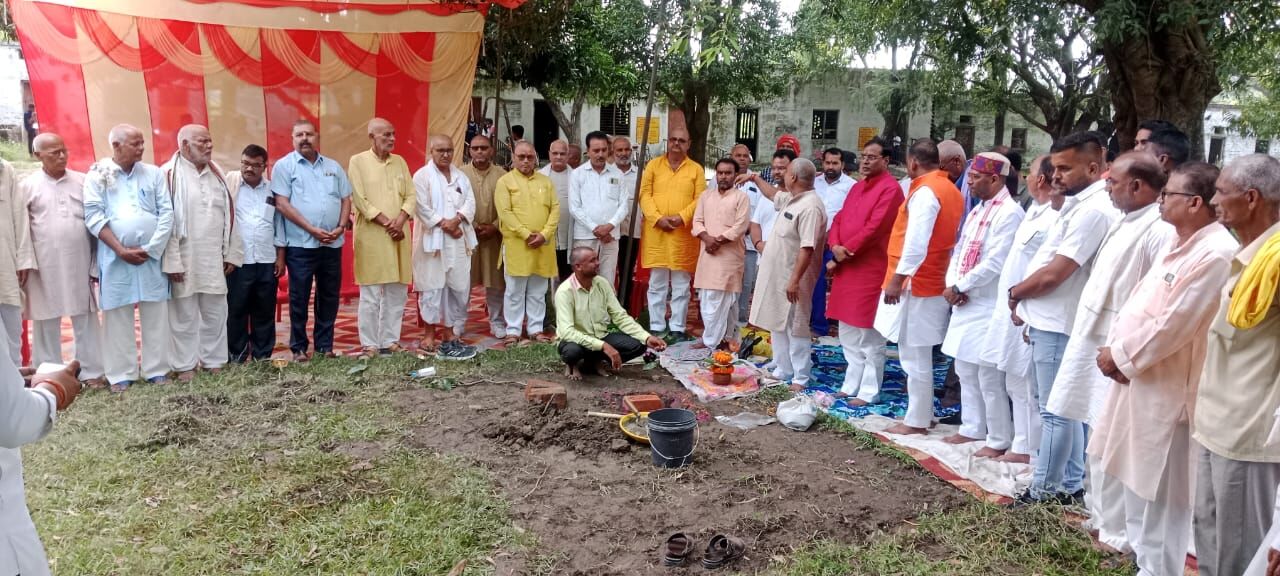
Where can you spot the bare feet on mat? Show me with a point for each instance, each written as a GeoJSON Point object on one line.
{"type": "Point", "coordinates": [698, 345]}
{"type": "Point", "coordinates": [572, 373]}
{"type": "Point", "coordinates": [988, 452]}
{"type": "Point", "coordinates": [1014, 458]}
{"type": "Point", "coordinates": [857, 402]}
{"type": "Point", "coordinates": [903, 429]}
{"type": "Point", "coordinates": [959, 439]}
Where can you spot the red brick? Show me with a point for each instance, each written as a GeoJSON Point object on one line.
{"type": "Point", "coordinates": [645, 402]}
{"type": "Point", "coordinates": [542, 392]}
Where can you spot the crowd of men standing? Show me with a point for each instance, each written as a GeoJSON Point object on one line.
{"type": "Point", "coordinates": [1115, 326]}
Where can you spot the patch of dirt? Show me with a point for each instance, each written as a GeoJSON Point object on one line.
{"type": "Point", "coordinates": [200, 404]}
{"type": "Point", "coordinates": [177, 429]}
{"type": "Point", "coordinates": [327, 395]}
{"type": "Point", "coordinates": [599, 507]}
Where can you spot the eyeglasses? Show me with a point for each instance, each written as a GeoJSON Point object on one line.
{"type": "Point", "coordinates": [1166, 192]}
{"type": "Point", "coordinates": [871, 157]}
{"type": "Point", "coordinates": [678, 140]}
{"type": "Point", "coordinates": [526, 157]}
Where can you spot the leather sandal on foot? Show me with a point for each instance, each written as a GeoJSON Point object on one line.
{"type": "Point", "coordinates": [722, 550]}
{"type": "Point", "coordinates": [676, 550]}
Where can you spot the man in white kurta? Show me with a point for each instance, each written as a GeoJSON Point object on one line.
{"type": "Point", "coordinates": [719, 222]}
{"type": "Point", "coordinates": [914, 313]}
{"type": "Point", "coordinates": [742, 157]}
{"type": "Point", "coordinates": [15, 255]}
{"type": "Point", "coordinates": [1154, 354]}
{"type": "Point", "coordinates": [1134, 243]}
{"type": "Point", "coordinates": [559, 171]}
{"type": "Point", "coordinates": [59, 284]}
{"type": "Point", "coordinates": [972, 279]}
{"type": "Point", "coordinates": [443, 242]}
{"type": "Point", "coordinates": [128, 208]}
{"type": "Point", "coordinates": [598, 202]}
{"type": "Point", "coordinates": [26, 416]}
{"type": "Point", "coordinates": [203, 249]}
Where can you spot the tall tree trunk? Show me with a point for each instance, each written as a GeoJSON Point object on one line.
{"type": "Point", "coordinates": [569, 123]}
{"type": "Point", "coordinates": [1170, 74]}
{"type": "Point", "coordinates": [1001, 113]}
{"type": "Point", "coordinates": [697, 117]}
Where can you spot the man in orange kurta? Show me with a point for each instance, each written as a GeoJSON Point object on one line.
{"type": "Point", "coordinates": [669, 192]}
{"type": "Point", "coordinates": [719, 223]}
{"type": "Point", "coordinates": [1155, 353]}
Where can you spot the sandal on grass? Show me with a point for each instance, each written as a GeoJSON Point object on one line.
{"type": "Point", "coordinates": [510, 341]}
{"type": "Point", "coordinates": [676, 550]}
{"type": "Point", "coordinates": [119, 387]}
{"type": "Point", "coordinates": [722, 550]}
{"type": "Point", "coordinates": [544, 337]}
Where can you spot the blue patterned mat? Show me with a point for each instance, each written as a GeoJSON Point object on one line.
{"type": "Point", "coordinates": [828, 375]}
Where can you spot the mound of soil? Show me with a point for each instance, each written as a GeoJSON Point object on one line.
{"type": "Point", "coordinates": [597, 507]}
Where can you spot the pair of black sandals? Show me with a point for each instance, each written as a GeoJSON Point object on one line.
{"type": "Point", "coordinates": [721, 550]}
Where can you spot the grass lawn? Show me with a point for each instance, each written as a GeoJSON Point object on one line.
{"type": "Point", "coordinates": [303, 471]}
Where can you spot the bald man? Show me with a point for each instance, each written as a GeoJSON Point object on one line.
{"type": "Point", "coordinates": [57, 280]}
{"type": "Point", "coordinates": [444, 240]}
{"type": "Point", "coordinates": [383, 196]}
{"type": "Point", "coordinates": [203, 250]}
{"type": "Point", "coordinates": [127, 206]}
{"type": "Point", "coordinates": [559, 171]}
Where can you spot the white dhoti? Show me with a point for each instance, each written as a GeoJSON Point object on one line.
{"type": "Point", "coordinates": [381, 313]}
{"type": "Point", "coordinates": [1025, 412]}
{"type": "Point", "coordinates": [11, 318]}
{"type": "Point", "coordinates": [198, 328]}
{"type": "Point", "coordinates": [443, 278]}
{"type": "Point", "coordinates": [864, 352]}
{"type": "Point", "coordinates": [984, 406]}
{"type": "Point", "coordinates": [664, 281]}
{"type": "Point", "coordinates": [792, 353]}
{"type": "Point", "coordinates": [917, 325]}
{"type": "Point", "coordinates": [526, 297]}
{"type": "Point", "coordinates": [46, 343]}
{"type": "Point", "coordinates": [1160, 531]}
{"type": "Point", "coordinates": [719, 316]}
{"type": "Point", "coordinates": [1105, 500]}
{"type": "Point", "coordinates": [608, 255]}
{"type": "Point", "coordinates": [120, 349]}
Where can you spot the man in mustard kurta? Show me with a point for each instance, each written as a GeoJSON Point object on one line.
{"type": "Point", "coordinates": [382, 192]}
{"type": "Point", "coordinates": [669, 191]}
{"type": "Point", "coordinates": [528, 214]}
{"type": "Point", "coordinates": [484, 176]}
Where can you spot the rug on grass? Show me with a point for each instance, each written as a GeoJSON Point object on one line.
{"type": "Point", "coordinates": [688, 366]}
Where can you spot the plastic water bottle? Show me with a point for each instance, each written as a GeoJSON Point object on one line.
{"type": "Point", "coordinates": [425, 372]}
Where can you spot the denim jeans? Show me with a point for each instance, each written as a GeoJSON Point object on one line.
{"type": "Point", "coordinates": [324, 267]}
{"type": "Point", "coordinates": [818, 315]}
{"type": "Point", "coordinates": [749, 270]}
{"type": "Point", "coordinates": [1060, 464]}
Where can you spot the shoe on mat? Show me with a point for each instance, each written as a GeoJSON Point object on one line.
{"type": "Point", "coordinates": [722, 550]}
{"type": "Point", "coordinates": [456, 350]}
{"type": "Point", "coordinates": [676, 550]}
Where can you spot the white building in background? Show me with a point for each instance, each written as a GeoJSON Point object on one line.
{"type": "Point", "coordinates": [15, 91]}
{"type": "Point", "coordinates": [1222, 142]}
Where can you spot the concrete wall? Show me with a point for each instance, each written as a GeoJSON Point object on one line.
{"type": "Point", "coordinates": [13, 74]}
{"type": "Point", "coordinates": [1217, 126]}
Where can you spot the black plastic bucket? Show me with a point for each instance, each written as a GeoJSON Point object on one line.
{"type": "Point", "coordinates": [672, 437]}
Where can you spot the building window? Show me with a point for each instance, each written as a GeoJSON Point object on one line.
{"type": "Point", "coordinates": [1262, 147]}
{"type": "Point", "coordinates": [825, 124]}
{"type": "Point", "coordinates": [615, 119]}
{"type": "Point", "coordinates": [1018, 140]}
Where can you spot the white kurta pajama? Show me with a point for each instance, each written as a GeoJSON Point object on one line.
{"type": "Point", "coordinates": [137, 208]}
{"type": "Point", "coordinates": [203, 239]}
{"type": "Point", "coordinates": [1134, 243]}
{"type": "Point", "coordinates": [441, 263]}
{"type": "Point", "coordinates": [1004, 346]}
{"type": "Point", "coordinates": [976, 263]}
{"type": "Point", "coordinates": [1142, 440]}
{"type": "Point", "coordinates": [15, 254]}
{"type": "Point", "coordinates": [596, 199]}
{"type": "Point", "coordinates": [26, 416]}
{"type": "Point", "coordinates": [916, 324]}
{"type": "Point", "coordinates": [60, 284]}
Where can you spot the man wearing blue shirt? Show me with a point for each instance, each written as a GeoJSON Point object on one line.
{"type": "Point", "coordinates": [313, 195]}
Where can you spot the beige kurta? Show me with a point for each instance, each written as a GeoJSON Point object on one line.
{"type": "Point", "coordinates": [487, 259]}
{"type": "Point", "coordinates": [725, 213]}
{"type": "Point", "coordinates": [801, 223]}
{"type": "Point", "coordinates": [1158, 342]}
{"type": "Point", "coordinates": [15, 242]}
{"type": "Point", "coordinates": [202, 238]}
{"type": "Point", "coordinates": [380, 187]}
{"type": "Point", "coordinates": [59, 284]}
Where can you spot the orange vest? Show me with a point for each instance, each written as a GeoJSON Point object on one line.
{"type": "Point", "coordinates": [931, 278]}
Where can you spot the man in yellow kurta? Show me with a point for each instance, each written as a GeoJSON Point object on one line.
{"type": "Point", "coordinates": [669, 191]}
{"type": "Point", "coordinates": [484, 176]}
{"type": "Point", "coordinates": [382, 192]}
{"type": "Point", "coordinates": [528, 214]}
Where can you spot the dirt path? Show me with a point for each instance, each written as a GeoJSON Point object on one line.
{"type": "Point", "coordinates": [600, 509]}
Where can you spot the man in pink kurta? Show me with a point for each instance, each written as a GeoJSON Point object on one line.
{"type": "Point", "coordinates": [720, 220]}
{"type": "Point", "coordinates": [59, 284]}
{"type": "Point", "coordinates": [1155, 352]}
{"type": "Point", "coordinates": [859, 241]}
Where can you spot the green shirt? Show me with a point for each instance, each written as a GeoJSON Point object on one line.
{"type": "Point", "coordinates": [583, 315]}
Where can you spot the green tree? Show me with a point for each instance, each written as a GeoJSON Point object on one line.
{"type": "Point", "coordinates": [570, 51]}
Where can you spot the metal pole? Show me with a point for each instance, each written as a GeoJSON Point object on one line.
{"type": "Point", "coordinates": [626, 287]}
